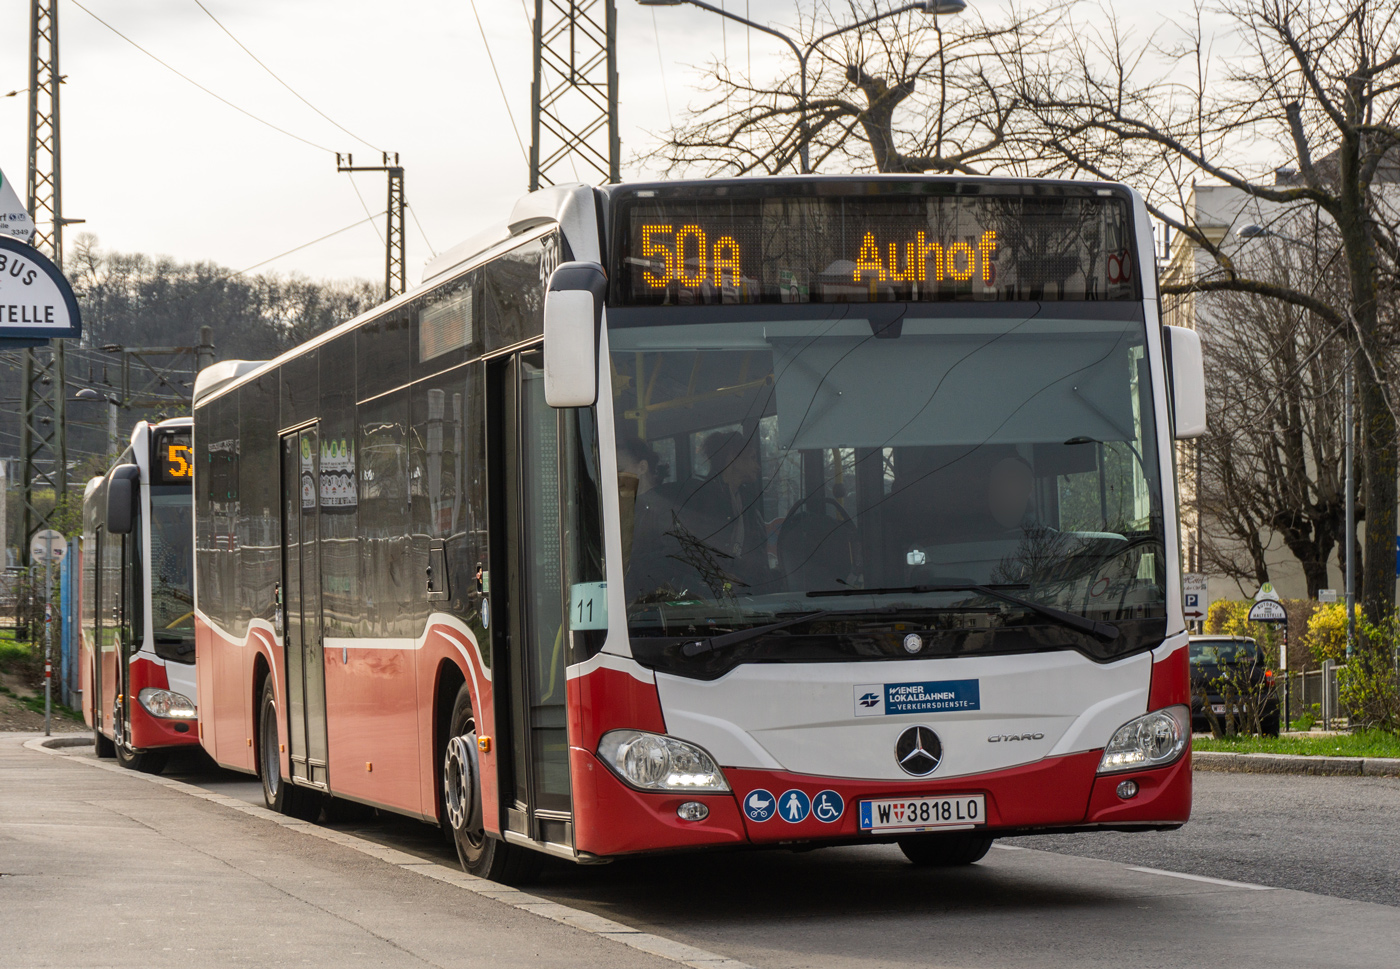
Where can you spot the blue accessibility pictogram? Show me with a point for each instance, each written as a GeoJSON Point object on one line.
{"type": "Point", "coordinates": [828, 806]}
{"type": "Point", "coordinates": [759, 805]}
{"type": "Point", "coordinates": [794, 806]}
{"type": "Point", "coordinates": [870, 699]}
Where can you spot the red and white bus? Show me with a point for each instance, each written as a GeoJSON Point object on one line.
{"type": "Point", "coordinates": [788, 511]}
{"type": "Point", "coordinates": [136, 593]}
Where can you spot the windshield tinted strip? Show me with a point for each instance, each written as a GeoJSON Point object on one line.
{"type": "Point", "coordinates": [630, 316]}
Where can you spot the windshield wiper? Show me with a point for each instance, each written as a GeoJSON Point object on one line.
{"type": "Point", "coordinates": [699, 646]}
{"type": "Point", "coordinates": [1103, 631]}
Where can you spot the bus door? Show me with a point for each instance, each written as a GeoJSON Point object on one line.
{"type": "Point", "coordinates": [525, 551]}
{"type": "Point", "coordinates": [301, 586]}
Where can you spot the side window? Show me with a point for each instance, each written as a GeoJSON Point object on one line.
{"type": "Point", "coordinates": [387, 587]}
{"type": "Point", "coordinates": [338, 486]}
{"type": "Point", "coordinates": [259, 530]}
{"type": "Point", "coordinates": [383, 349]}
{"type": "Point", "coordinates": [514, 285]}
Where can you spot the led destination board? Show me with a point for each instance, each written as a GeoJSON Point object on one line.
{"type": "Point", "coordinates": [173, 458]}
{"type": "Point", "coordinates": [676, 251]}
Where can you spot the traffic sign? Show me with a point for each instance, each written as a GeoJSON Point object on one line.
{"type": "Point", "coordinates": [15, 221]}
{"type": "Point", "coordinates": [1268, 610]}
{"type": "Point", "coordinates": [47, 546]}
{"type": "Point", "coordinates": [1266, 591]}
{"type": "Point", "coordinates": [1327, 596]}
{"type": "Point", "coordinates": [36, 302]}
{"type": "Point", "coordinates": [1195, 599]}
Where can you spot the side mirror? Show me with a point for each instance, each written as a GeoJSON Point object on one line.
{"type": "Point", "coordinates": [573, 315]}
{"type": "Point", "coordinates": [121, 498]}
{"type": "Point", "coordinates": [1188, 376]}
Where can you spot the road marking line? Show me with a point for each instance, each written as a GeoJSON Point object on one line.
{"type": "Point", "coordinates": [668, 949]}
{"type": "Point", "coordinates": [1203, 878]}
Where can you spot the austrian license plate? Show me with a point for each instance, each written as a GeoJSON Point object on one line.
{"type": "Point", "coordinates": [923, 813]}
{"type": "Point", "coordinates": [1217, 708]}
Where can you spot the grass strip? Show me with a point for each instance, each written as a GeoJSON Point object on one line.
{"type": "Point", "coordinates": [1363, 743]}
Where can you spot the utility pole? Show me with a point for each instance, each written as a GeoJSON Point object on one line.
{"type": "Point", "coordinates": [573, 116]}
{"type": "Point", "coordinates": [42, 433]}
{"type": "Point", "coordinates": [395, 271]}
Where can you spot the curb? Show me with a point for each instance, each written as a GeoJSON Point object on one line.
{"type": "Point", "coordinates": [1217, 760]}
{"type": "Point", "coordinates": [659, 946]}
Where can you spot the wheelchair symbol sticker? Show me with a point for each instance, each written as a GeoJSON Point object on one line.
{"type": "Point", "coordinates": [828, 806]}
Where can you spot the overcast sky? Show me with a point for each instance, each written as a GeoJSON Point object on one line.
{"type": "Point", "coordinates": [156, 165]}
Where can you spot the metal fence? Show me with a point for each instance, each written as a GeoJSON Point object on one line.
{"type": "Point", "coordinates": [1314, 692]}
{"type": "Point", "coordinates": [21, 602]}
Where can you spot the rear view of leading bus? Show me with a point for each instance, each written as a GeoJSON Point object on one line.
{"type": "Point", "coordinates": [790, 511]}
{"type": "Point", "coordinates": [137, 595]}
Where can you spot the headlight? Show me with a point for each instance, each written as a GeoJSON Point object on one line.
{"type": "Point", "coordinates": [652, 762]}
{"type": "Point", "coordinates": [165, 704]}
{"type": "Point", "coordinates": [1151, 741]}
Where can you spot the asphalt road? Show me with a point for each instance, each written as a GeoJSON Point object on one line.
{"type": "Point", "coordinates": [1337, 836]}
{"type": "Point", "coordinates": [1062, 901]}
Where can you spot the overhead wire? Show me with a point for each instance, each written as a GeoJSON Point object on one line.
{"type": "Point", "coordinates": [364, 206]}
{"type": "Point", "coordinates": [413, 213]}
{"type": "Point", "coordinates": [186, 77]}
{"type": "Point", "coordinates": [492, 60]}
{"type": "Point", "coordinates": [275, 77]}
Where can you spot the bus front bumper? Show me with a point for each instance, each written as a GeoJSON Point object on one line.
{"type": "Point", "coordinates": [1055, 794]}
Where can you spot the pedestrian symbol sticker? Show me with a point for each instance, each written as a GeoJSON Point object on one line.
{"type": "Point", "coordinates": [794, 806]}
{"type": "Point", "coordinates": [759, 805]}
{"type": "Point", "coordinates": [828, 806]}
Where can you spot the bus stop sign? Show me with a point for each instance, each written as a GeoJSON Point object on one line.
{"type": "Point", "coordinates": [36, 302]}
{"type": "Point", "coordinates": [47, 547]}
{"type": "Point", "coordinates": [1268, 610]}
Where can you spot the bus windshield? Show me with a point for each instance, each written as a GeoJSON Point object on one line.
{"type": "Point", "coordinates": [172, 555]}
{"type": "Point", "coordinates": [878, 460]}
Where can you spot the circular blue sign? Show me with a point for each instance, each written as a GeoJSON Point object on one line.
{"type": "Point", "coordinates": [759, 805]}
{"type": "Point", "coordinates": [794, 806]}
{"type": "Point", "coordinates": [828, 806]}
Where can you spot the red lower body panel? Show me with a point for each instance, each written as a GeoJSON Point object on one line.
{"type": "Point", "coordinates": [1062, 792]}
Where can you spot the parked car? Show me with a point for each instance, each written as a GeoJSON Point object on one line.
{"type": "Point", "coordinates": [1230, 670]}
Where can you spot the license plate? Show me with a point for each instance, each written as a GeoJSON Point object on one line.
{"type": "Point", "coordinates": [923, 813]}
{"type": "Point", "coordinates": [1217, 708]}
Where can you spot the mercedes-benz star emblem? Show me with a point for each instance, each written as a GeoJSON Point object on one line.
{"type": "Point", "coordinates": [918, 751]}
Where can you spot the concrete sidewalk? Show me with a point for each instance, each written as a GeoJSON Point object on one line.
{"type": "Point", "coordinates": [103, 869]}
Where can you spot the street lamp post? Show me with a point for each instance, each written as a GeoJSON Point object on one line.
{"type": "Point", "coordinates": [932, 7]}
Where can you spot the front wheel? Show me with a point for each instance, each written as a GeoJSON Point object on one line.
{"type": "Point", "coordinates": [280, 795]}
{"type": "Point", "coordinates": [945, 850]}
{"type": "Point", "coordinates": [147, 762]}
{"type": "Point", "coordinates": [481, 854]}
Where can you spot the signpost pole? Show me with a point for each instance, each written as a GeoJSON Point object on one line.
{"type": "Point", "coordinates": [48, 643]}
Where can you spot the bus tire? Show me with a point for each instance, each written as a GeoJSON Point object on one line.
{"type": "Point", "coordinates": [147, 762]}
{"type": "Point", "coordinates": [945, 850]}
{"type": "Point", "coordinates": [480, 853]}
{"type": "Point", "coordinates": [279, 794]}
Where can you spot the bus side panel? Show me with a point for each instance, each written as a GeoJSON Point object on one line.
{"type": "Point", "coordinates": [451, 642]}
{"type": "Point", "coordinates": [228, 697]}
{"type": "Point", "coordinates": [204, 640]}
{"type": "Point", "coordinates": [372, 721]}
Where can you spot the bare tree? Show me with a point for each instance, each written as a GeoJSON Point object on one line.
{"type": "Point", "coordinates": [1316, 82]}
{"type": "Point", "coordinates": [1273, 462]}
{"type": "Point", "coordinates": [909, 94]}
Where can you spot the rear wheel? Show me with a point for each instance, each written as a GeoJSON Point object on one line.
{"type": "Point", "coordinates": [105, 748]}
{"type": "Point", "coordinates": [945, 850]}
{"type": "Point", "coordinates": [481, 854]}
{"type": "Point", "coordinates": [279, 794]}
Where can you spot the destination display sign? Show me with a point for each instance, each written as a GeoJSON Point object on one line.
{"type": "Point", "coordinates": [35, 300]}
{"type": "Point", "coordinates": [873, 248]}
{"type": "Point", "coordinates": [173, 458]}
